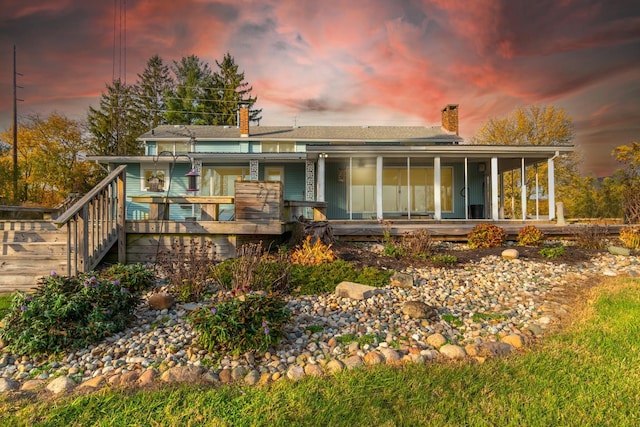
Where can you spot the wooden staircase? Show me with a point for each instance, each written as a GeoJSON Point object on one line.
{"type": "Point", "coordinates": [30, 249]}
{"type": "Point", "coordinates": [74, 242]}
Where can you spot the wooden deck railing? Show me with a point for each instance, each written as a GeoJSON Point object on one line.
{"type": "Point", "coordinates": [95, 222]}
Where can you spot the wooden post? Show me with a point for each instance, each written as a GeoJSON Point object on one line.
{"type": "Point", "coordinates": [121, 217]}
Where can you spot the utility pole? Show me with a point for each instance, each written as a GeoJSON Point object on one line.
{"type": "Point", "coordinates": [15, 128]}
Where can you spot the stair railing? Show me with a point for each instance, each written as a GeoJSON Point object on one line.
{"type": "Point", "coordinates": [95, 222]}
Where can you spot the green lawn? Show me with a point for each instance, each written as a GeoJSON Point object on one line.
{"type": "Point", "coordinates": [589, 375]}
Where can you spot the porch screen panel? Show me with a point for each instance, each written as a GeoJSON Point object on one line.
{"type": "Point", "coordinates": [394, 189]}
{"type": "Point", "coordinates": [363, 189]}
{"type": "Point", "coordinates": [422, 186]}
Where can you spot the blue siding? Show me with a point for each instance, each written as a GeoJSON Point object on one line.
{"type": "Point", "coordinates": [335, 191]}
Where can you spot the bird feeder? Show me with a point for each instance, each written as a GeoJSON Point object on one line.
{"type": "Point", "coordinates": [193, 185]}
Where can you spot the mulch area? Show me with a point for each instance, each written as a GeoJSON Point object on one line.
{"type": "Point", "coordinates": [364, 257]}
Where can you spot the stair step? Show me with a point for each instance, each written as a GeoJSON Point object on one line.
{"type": "Point", "coordinates": [33, 236]}
{"type": "Point", "coordinates": [29, 225]}
{"type": "Point", "coordinates": [33, 249]}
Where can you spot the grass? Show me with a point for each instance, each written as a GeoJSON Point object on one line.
{"type": "Point", "coordinates": [5, 303]}
{"type": "Point", "coordinates": [586, 375]}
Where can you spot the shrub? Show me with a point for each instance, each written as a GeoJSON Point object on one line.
{"type": "Point", "coordinates": [417, 243]}
{"type": "Point", "coordinates": [252, 323]}
{"type": "Point", "coordinates": [444, 259]}
{"type": "Point", "coordinates": [312, 253]}
{"type": "Point", "coordinates": [630, 236]}
{"type": "Point", "coordinates": [310, 280]}
{"type": "Point", "coordinates": [270, 273]}
{"type": "Point", "coordinates": [552, 252]}
{"type": "Point", "coordinates": [137, 277]}
{"type": "Point", "coordinates": [67, 313]}
{"type": "Point", "coordinates": [392, 247]}
{"type": "Point", "coordinates": [591, 236]}
{"type": "Point", "coordinates": [530, 236]}
{"type": "Point", "coordinates": [187, 268]}
{"type": "Point", "coordinates": [486, 235]}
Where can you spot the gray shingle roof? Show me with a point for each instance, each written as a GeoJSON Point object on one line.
{"type": "Point", "coordinates": [306, 133]}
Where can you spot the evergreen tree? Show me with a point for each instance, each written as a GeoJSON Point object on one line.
{"type": "Point", "coordinates": [190, 102]}
{"type": "Point", "coordinates": [151, 91]}
{"type": "Point", "coordinates": [230, 90]}
{"type": "Point", "coordinates": [114, 125]}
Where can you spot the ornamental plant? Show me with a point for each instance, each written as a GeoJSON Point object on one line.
{"type": "Point", "coordinates": [67, 313]}
{"type": "Point", "coordinates": [317, 279]}
{"type": "Point", "coordinates": [630, 236]}
{"type": "Point", "coordinates": [486, 235]}
{"type": "Point", "coordinates": [530, 236]}
{"type": "Point", "coordinates": [312, 253]}
{"type": "Point", "coordinates": [253, 322]}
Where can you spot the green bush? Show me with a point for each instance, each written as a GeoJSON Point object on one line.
{"type": "Point", "coordinates": [138, 278]}
{"type": "Point", "coordinates": [310, 280]}
{"type": "Point", "coordinates": [67, 313]}
{"type": "Point", "coordinates": [444, 259]}
{"type": "Point", "coordinates": [530, 236]}
{"type": "Point", "coordinates": [486, 235]}
{"type": "Point", "coordinates": [552, 252]}
{"type": "Point", "coordinates": [252, 323]}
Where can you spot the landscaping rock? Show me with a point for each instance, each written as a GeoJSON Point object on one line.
{"type": "Point", "coordinates": [161, 301]}
{"type": "Point", "coordinates": [225, 376]}
{"type": "Point", "coordinates": [147, 377]}
{"type": "Point", "coordinates": [391, 356]}
{"type": "Point", "coordinates": [356, 291]}
{"type": "Point", "coordinates": [617, 250]}
{"type": "Point", "coordinates": [313, 370]}
{"type": "Point", "coordinates": [252, 377]}
{"type": "Point", "coordinates": [129, 378]}
{"type": "Point", "coordinates": [182, 374]}
{"type": "Point", "coordinates": [334, 366]}
{"type": "Point", "coordinates": [32, 385]}
{"type": "Point", "coordinates": [295, 373]}
{"type": "Point", "coordinates": [419, 310]}
{"type": "Point", "coordinates": [61, 385]}
{"type": "Point", "coordinates": [401, 280]}
{"type": "Point", "coordinates": [373, 358]}
{"type": "Point", "coordinates": [95, 382]}
{"type": "Point", "coordinates": [353, 362]}
{"type": "Point", "coordinates": [452, 351]}
{"type": "Point", "coordinates": [514, 339]}
{"type": "Point", "coordinates": [436, 340]}
{"type": "Point", "coordinates": [510, 253]}
{"type": "Point", "coordinates": [489, 349]}
{"type": "Point", "coordinates": [7, 384]}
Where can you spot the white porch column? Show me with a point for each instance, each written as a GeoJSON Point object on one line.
{"type": "Point", "coordinates": [495, 208]}
{"type": "Point", "coordinates": [466, 188]}
{"type": "Point", "coordinates": [437, 189]}
{"type": "Point", "coordinates": [523, 190]}
{"type": "Point", "coordinates": [320, 195]}
{"type": "Point", "coordinates": [552, 186]}
{"type": "Point", "coordinates": [379, 165]}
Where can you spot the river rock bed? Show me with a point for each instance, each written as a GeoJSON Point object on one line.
{"type": "Point", "coordinates": [485, 308]}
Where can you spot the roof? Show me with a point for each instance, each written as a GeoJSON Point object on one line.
{"type": "Point", "coordinates": [305, 133]}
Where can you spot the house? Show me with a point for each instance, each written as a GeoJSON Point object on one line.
{"type": "Point", "coordinates": [352, 172]}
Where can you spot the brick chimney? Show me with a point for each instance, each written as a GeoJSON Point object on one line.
{"type": "Point", "coordinates": [450, 118]}
{"type": "Point", "coordinates": [244, 121]}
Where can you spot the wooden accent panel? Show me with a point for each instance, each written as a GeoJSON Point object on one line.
{"type": "Point", "coordinates": [211, 227]}
{"type": "Point", "coordinates": [258, 200]}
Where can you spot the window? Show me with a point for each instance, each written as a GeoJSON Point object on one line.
{"type": "Point", "coordinates": [220, 181]}
{"type": "Point", "coordinates": [278, 147]}
{"type": "Point", "coordinates": [155, 179]}
{"type": "Point", "coordinates": [272, 173]}
{"type": "Point", "coordinates": [166, 147]}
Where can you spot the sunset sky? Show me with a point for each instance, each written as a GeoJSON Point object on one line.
{"type": "Point", "coordinates": [339, 62]}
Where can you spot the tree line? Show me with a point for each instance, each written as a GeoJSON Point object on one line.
{"type": "Point", "coordinates": [189, 92]}
{"type": "Point", "coordinates": [51, 149]}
